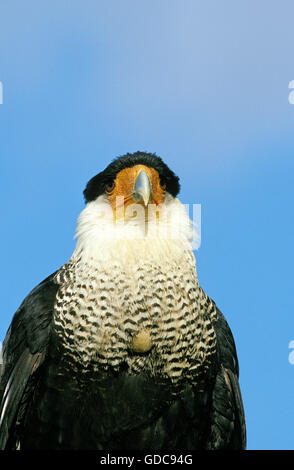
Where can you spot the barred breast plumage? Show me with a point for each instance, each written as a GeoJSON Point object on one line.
{"type": "Point", "coordinates": [100, 309]}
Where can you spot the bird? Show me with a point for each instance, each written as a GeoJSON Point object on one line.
{"type": "Point", "coordinates": [120, 348]}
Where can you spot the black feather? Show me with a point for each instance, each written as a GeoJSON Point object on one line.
{"type": "Point", "coordinates": [24, 350]}
{"type": "Point", "coordinates": [96, 186]}
{"type": "Point", "coordinates": [227, 426]}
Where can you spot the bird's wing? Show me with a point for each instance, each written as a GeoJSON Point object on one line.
{"type": "Point", "coordinates": [24, 349]}
{"type": "Point", "coordinates": [227, 428]}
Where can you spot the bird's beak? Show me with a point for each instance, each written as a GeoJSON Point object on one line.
{"type": "Point", "coordinates": [142, 188]}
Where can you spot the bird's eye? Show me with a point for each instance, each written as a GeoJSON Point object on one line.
{"type": "Point", "coordinates": [110, 187]}
{"type": "Point", "coordinates": [163, 186]}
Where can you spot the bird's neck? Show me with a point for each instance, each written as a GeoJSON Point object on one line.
{"type": "Point", "coordinates": [166, 236]}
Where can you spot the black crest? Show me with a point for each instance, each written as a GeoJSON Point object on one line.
{"type": "Point", "coordinates": [96, 186]}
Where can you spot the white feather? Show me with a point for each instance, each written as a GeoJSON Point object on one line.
{"type": "Point", "coordinates": [167, 231]}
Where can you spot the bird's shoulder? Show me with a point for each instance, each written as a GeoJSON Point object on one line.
{"type": "Point", "coordinates": [226, 346]}
{"type": "Point", "coordinates": [24, 348]}
{"type": "Point", "coordinates": [29, 325]}
{"type": "Point", "coordinates": [228, 428]}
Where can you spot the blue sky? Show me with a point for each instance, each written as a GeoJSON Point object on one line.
{"type": "Point", "coordinates": [205, 86]}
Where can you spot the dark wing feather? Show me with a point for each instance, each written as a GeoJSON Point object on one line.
{"type": "Point", "coordinates": [228, 428]}
{"type": "Point", "coordinates": [24, 350]}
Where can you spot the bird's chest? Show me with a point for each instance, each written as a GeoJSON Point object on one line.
{"type": "Point", "coordinates": [148, 317]}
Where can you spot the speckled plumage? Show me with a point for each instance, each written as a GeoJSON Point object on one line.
{"type": "Point", "coordinates": [97, 315]}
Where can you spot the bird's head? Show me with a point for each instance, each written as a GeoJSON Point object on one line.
{"type": "Point", "coordinates": [135, 196]}
{"type": "Point", "coordinates": [134, 179]}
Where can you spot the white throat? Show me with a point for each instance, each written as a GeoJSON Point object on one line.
{"type": "Point", "coordinates": [167, 232]}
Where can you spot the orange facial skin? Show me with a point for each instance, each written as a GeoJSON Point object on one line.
{"type": "Point", "coordinates": [123, 188]}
